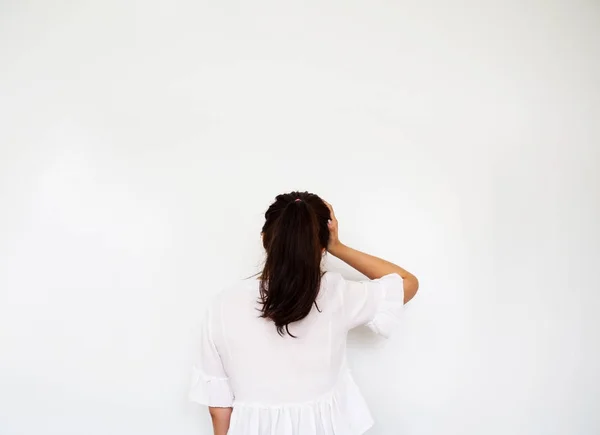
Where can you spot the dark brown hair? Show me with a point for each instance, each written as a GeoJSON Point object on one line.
{"type": "Point", "coordinates": [294, 235]}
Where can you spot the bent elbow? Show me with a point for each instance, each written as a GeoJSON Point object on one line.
{"type": "Point", "coordinates": [411, 286]}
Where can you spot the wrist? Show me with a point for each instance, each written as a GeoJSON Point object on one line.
{"type": "Point", "coordinates": [336, 248]}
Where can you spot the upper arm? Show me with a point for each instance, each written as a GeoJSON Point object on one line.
{"type": "Point", "coordinates": [221, 418]}
{"type": "Point", "coordinates": [377, 303]}
{"type": "Point", "coordinates": [210, 382]}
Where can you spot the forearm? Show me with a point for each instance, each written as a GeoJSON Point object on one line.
{"type": "Point", "coordinates": [375, 267]}
{"type": "Point", "coordinates": [221, 418]}
{"type": "Point", "coordinates": [369, 265]}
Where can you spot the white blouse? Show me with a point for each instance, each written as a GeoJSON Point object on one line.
{"type": "Point", "coordinates": [291, 386]}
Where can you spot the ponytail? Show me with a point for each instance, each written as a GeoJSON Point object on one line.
{"type": "Point", "coordinates": [294, 236]}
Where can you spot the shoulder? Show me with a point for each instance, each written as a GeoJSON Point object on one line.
{"type": "Point", "coordinates": [335, 280]}
{"type": "Point", "coordinates": [332, 280]}
{"type": "Point", "coordinates": [236, 288]}
{"type": "Point", "coordinates": [236, 292]}
{"type": "Point", "coordinates": [332, 284]}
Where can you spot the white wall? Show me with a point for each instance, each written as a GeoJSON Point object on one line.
{"type": "Point", "coordinates": [140, 143]}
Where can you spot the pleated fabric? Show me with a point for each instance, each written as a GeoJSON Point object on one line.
{"type": "Point", "coordinates": [343, 411]}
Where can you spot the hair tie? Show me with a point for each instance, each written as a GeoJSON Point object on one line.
{"type": "Point", "coordinates": [297, 200]}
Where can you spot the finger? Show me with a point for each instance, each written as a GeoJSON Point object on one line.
{"type": "Point", "coordinates": [332, 226]}
{"type": "Point", "coordinates": [330, 210]}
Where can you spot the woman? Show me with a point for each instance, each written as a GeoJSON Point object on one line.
{"type": "Point", "coordinates": [272, 357]}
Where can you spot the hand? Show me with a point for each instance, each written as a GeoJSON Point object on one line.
{"type": "Point", "coordinates": [332, 224]}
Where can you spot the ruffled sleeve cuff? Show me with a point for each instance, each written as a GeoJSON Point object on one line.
{"type": "Point", "coordinates": [210, 391]}
{"type": "Point", "coordinates": [390, 307]}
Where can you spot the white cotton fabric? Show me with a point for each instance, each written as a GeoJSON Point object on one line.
{"type": "Point", "coordinates": [291, 386]}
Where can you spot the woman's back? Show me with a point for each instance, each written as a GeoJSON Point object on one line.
{"type": "Point", "coordinates": [271, 369]}
{"type": "Point", "coordinates": [292, 385]}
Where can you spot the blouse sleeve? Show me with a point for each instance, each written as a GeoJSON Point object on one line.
{"type": "Point", "coordinates": [377, 303]}
{"type": "Point", "coordinates": [210, 384]}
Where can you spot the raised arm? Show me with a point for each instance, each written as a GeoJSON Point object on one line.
{"type": "Point", "coordinates": [369, 265]}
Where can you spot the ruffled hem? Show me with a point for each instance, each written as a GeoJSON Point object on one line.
{"type": "Point", "coordinates": [210, 391]}
{"type": "Point", "coordinates": [391, 306]}
{"type": "Point", "coordinates": [343, 411]}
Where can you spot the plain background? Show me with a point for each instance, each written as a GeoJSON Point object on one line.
{"type": "Point", "coordinates": [141, 143]}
